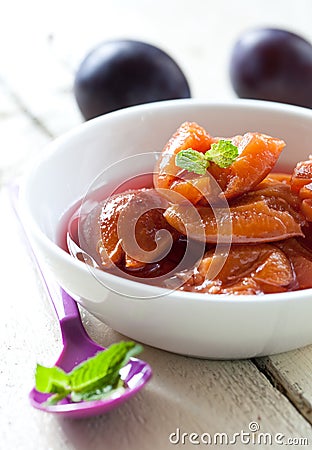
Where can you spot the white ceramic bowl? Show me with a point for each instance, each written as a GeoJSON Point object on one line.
{"type": "Point", "coordinates": [199, 325]}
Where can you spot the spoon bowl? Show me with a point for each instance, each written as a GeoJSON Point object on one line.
{"type": "Point", "coordinates": [77, 347]}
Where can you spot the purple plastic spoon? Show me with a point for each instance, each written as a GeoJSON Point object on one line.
{"type": "Point", "coordinates": [78, 346]}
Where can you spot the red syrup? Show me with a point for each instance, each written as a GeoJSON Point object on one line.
{"type": "Point", "coordinates": [97, 196]}
{"type": "Point", "coordinates": [152, 273]}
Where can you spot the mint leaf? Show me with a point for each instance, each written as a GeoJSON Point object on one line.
{"type": "Point", "coordinates": [192, 161]}
{"type": "Point", "coordinates": [51, 380]}
{"type": "Point", "coordinates": [96, 378]}
{"type": "Point", "coordinates": [103, 368]}
{"type": "Point", "coordinates": [222, 153]}
{"type": "Point", "coordinates": [99, 394]}
{"type": "Point", "coordinates": [55, 399]}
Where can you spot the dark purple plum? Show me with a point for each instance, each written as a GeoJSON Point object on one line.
{"type": "Point", "coordinates": [272, 64]}
{"type": "Point", "coordinates": [122, 73]}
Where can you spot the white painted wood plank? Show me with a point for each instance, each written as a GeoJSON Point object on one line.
{"type": "Point", "coordinates": [292, 371]}
{"type": "Point", "coordinates": [40, 82]}
{"type": "Point", "coordinates": [21, 138]}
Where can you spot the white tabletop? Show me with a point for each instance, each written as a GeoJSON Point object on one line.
{"type": "Point", "coordinates": [41, 44]}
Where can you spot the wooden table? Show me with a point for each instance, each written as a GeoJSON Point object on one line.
{"type": "Point", "coordinates": [40, 50]}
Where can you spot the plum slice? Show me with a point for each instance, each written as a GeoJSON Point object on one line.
{"type": "Point", "coordinates": [258, 154]}
{"type": "Point", "coordinates": [130, 224]}
{"type": "Point", "coordinates": [249, 269]}
{"type": "Point", "coordinates": [267, 214]}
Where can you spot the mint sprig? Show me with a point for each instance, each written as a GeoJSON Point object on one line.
{"type": "Point", "coordinates": [222, 153]}
{"type": "Point", "coordinates": [96, 378]}
{"type": "Point", "coordinates": [51, 380]}
{"type": "Point", "coordinates": [192, 161]}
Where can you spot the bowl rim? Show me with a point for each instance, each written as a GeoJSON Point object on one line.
{"type": "Point", "coordinates": [159, 292]}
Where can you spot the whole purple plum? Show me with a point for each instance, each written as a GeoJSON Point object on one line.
{"type": "Point", "coordinates": [272, 64]}
{"type": "Point", "coordinates": [122, 73]}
